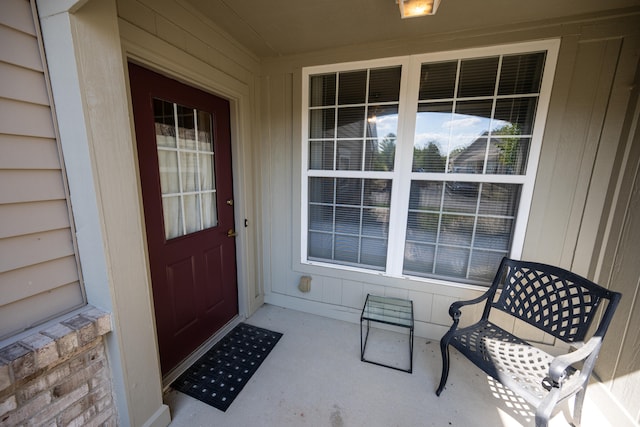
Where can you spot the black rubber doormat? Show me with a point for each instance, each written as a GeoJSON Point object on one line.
{"type": "Point", "coordinates": [218, 376]}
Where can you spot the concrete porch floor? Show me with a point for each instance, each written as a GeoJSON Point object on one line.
{"type": "Point", "coordinates": [314, 377]}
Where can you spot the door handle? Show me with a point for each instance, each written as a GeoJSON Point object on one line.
{"type": "Point", "coordinates": [231, 233]}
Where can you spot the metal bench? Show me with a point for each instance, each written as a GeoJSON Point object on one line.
{"type": "Point", "coordinates": [552, 299]}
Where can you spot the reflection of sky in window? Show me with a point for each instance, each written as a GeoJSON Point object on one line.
{"type": "Point", "coordinates": [386, 124]}
{"type": "Point", "coordinates": [450, 131]}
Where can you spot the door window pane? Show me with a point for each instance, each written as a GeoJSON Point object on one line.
{"type": "Point", "coordinates": [184, 140]}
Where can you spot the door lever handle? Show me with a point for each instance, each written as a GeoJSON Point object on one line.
{"type": "Point", "coordinates": [231, 233]}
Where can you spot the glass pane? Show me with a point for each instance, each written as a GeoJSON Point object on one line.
{"type": "Point", "coordinates": [438, 81]}
{"type": "Point", "coordinates": [322, 123]}
{"type": "Point", "coordinates": [461, 197]}
{"type": "Point", "coordinates": [346, 248]}
{"type": "Point", "coordinates": [361, 209]}
{"type": "Point", "coordinates": [351, 122]}
{"type": "Point", "coordinates": [508, 156]}
{"type": "Point", "coordinates": [469, 128]}
{"type": "Point", "coordinates": [374, 252]}
{"type": "Point", "coordinates": [425, 195]}
{"type": "Point", "coordinates": [165, 123]}
{"type": "Point", "coordinates": [192, 213]}
{"type": "Point", "coordinates": [322, 90]}
{"type": "Point", "coordinates": [456, 230]}
{"type": "Point", "coordinates": [186, 167]}
{"type": "Point", "coordinates": [348, 220]}
{"type": "Point", "coordinates": [189, 171]}
{"type": "Point", "coordinates": [186, 127]}
{"type": "Point", "coordinates": [431, 141]}
{"type": "Point", "coordinates": [320, 218]}
{"type": "Point", "coordinates": [384, 84]}
{"type": "Point", "coordinates": [418, 258]}
{"type": "Point", "coordinates": [207, 177]}
{"type": "Point", "coordinates": [514, 116]}
{"type": "Point", "coordinates": [349, 191]}
{"type": "Point", "coordinates": [521, 73]}
{"type": "Point", "coordinates": [209, 210]}
{"type": "Point", "coordinates": [172, 212]}
{"type": "Point", "coordinates": [349, 155]}
{"type": "Point", "coordinates": [452, 262]}
{"type": "Point", "coordinates": [484, 265]}
{"type": "Point", "coordinates": [423, 226]}
{"type": "Point", "coordinates": [205, 132]}
{"type": "Point", "coordinates": [321, 155]}
{"type": "Point", "coordinates": [477, 77]}
{"type": "Point", "coordinates": [375, 222]}
{"type": "Point", "coordinates": [493, 233]}
{"type": "Point", "coordinates": [382, 121]}
{"type": "Point", "coordinates": [499, 199]}
{"type": "Point", "coordinates": [168, 164]}
{"type": "Point", "coordinates": [320, 245]}
{"type": "Point", "coordinates": [377, 192]}
{"type": "Point", "coordinates": [469, 158]}
{"type": "Point", "coordinates": [352, 87]}
{"type": "Point", "coordinates": [321, 190]}
{"type": "Point", "coordinates": [380, 155]}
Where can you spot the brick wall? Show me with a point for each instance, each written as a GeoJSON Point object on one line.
{"type": "Point", "coordinates": [59, 376]}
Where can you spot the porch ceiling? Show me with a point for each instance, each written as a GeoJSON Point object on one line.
{"type": "Point", "coordinates": [285, 27]}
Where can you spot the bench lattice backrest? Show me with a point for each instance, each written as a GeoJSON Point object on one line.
{"type": "Point", "coordinates": [554, 300]}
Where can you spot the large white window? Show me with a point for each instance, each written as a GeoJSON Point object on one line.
{"type": "Point", "coordinates": [423, 166]}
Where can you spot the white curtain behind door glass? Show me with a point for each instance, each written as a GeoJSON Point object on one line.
{"type": "Point", "coordinates": [186, 168]}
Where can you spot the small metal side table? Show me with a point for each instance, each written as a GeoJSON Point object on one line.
{"type": "Point", "coordinates": [391, 311]}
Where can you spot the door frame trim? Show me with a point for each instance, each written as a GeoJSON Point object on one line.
{"type": "Point", "coordinates": [178, 65]}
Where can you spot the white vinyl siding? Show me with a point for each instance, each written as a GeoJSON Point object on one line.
{"type": "Point", "coordinates": [464, 137]}
{"type": "Point", "coordinates": [39, 276]}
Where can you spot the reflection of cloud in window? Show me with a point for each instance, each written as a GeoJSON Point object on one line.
{"type": "Point", "coordinates": [446, 142]}
{"type": "Point", "coordinates": [386, 124]}
{"type": "Point", "coordinates": [459, 132]}
{"type": "Point", "coordinates": [462, 123]}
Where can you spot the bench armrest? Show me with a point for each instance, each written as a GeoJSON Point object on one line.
{"type": "Point", "coordinates": [454, 309]}
{"type": "Point", "coordinates": [559, 365]}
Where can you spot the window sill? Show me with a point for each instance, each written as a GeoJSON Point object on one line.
{"type": "Point", "coordinates": [356, 274]}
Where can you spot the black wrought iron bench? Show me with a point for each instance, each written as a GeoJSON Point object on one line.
{"type": "Point", "coordinates": [555, 301]}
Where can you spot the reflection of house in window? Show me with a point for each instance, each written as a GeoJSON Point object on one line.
{"type": "Point", "coordinates": [503, 156]}
{"type": "Point", "coordinates": [344, 161]}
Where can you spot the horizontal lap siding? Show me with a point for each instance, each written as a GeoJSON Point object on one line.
{"type": "Point", "coordinates": [38, 269]}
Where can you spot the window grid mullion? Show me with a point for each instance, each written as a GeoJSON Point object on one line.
{"type": "Point", "coordinates": [454, 104]}
{"type": "Point", "coordinates": [333, 219]}
{"type": "Point", "coordinates": [493, 111]}
{"type": "Point", "coordinates": [473, 232]}
{"type": "Point", "coordinates": [180, 184]}
{"type": "Point", "coordinates": [198, 175]}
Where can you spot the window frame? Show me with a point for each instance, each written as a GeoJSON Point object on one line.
{"type": "Point", "coordinates": [402, 174]}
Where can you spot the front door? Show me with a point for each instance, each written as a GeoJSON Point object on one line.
{"type": "Point", "coordinates": [184, 155]}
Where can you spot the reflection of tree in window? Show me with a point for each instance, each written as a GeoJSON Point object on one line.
{"type": "Point", "coordinates": [428, 159]}
{"type": "Point", "coordinates": [385, 153]}
{"type": "Point", "coordinates": [509, 148]}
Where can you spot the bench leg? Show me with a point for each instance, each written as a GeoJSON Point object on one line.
{"type": "Point", "coordinates": [444, 348]}
{"type": "Point", "coordinates": [577, 406]}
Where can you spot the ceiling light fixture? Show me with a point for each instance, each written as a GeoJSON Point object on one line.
{"type": "Point", "coordinates": [413, 8]}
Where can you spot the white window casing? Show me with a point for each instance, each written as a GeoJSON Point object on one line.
{"type": "Point", "coordinates": [403, 174]}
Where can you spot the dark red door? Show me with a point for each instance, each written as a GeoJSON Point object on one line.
{"type": "Point", "coordinates": [184, 153]}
